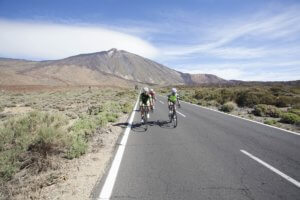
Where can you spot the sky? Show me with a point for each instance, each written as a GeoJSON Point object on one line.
{"type": "Point", "coordinates": [251, 40]}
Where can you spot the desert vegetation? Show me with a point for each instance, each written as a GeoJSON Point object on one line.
{"type": "Point", "coordinates": [39, 127]}
{"type": "Point", "coordinates": [276, 104]}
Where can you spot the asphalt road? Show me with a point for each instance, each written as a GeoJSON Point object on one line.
{"type": "Point", "coordinates": [209, 155]}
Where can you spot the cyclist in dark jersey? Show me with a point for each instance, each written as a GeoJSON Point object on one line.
{"type": "Point", "coordinates": [144, 102]}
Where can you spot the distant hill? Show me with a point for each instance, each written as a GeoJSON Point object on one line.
{"type": "Point", "coordinates": [113, 67]}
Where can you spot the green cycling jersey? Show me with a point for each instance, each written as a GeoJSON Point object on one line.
{"type": "Point", "coordinates": [172, 98]}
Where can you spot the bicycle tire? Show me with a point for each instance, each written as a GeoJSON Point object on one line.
{"type": "Point", "coordinates": [175, 119]}
{"type": "Point", "coordinates": [146, 119]}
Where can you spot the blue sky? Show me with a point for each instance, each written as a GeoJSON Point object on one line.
{"type": "Point", "coordinates": [234, 39]}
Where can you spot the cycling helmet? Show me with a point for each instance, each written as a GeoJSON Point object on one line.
{"type": "Point", "coordinates": [151, 90]}
{"type": "Point", "coordinates": [145, 89]}
{"type": "Point", "coordinates": [174, 90]}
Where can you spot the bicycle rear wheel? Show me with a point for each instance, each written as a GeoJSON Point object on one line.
{"type": "Point", "coordinates": [146, 119]}
{"type": "Point", "coordinates": [175, 119]}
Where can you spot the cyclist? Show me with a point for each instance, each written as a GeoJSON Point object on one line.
{"type": "Point", "coordinates": [172, 100]}
{"type": "Point", "coordinates": [144, 102]}
{"type": "Point", "coordinates": [153, 98]}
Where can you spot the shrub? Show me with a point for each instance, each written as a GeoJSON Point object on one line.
{"type": "Point", "coordinates": [246, 98]}
{"type": "Point", "coordinates": [270, 122]}
{"type": "Point", "coordinates": [228, 107]}
{"type": "Point", "coordinates": [212, 103]}
{"type": "Point", "coordinates": [84, 124]}
{"type": "Point", "coordinates": [295, 111]}
{"type": "Point", "coordinates": [77, 147]}
{"type": "Point", "coordinates": [290, 118]}
{"type": "Point", "coordinates": [37, 131]}
{"type": "Point", "coordinates": [284, 101]}
{"type": "Point", "coordinates": [112, 117]}
{"type": "Point", "coordinates": [126, 107]}
{"type": "Point", "coordinates": [252, 98]}
{"type": "Point", "coordinates": [277, 91]}
{"type": "Point", "coordinates": [266, 111]}
{"type": "Point", "coordinates": [94, 110]}
{"type": "Point", "coordinates": [225, 96]}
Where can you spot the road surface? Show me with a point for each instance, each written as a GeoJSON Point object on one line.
{"type": "Point", "coordinates": [209, 155]}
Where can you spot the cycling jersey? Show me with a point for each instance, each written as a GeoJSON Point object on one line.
{"type": "Point", "coordinates": [145, 98]}
{"type": "Point", "coordinates": [172, 98]}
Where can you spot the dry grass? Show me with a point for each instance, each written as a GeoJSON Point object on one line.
{"type": "Point", "coordinates": [39, 129]}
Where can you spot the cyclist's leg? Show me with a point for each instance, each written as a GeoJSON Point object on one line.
{"type": "Point", "coordinates": [142, 110]}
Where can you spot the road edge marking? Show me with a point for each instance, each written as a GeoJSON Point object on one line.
{"type": "Point", "coordinates": [180, 113]}
{"type": "Point", "coordinates": [109, 183]}
{"type": "Point", "coordinates": [295, 133]}
{"type": "Point", "coordinates": [283, 175]}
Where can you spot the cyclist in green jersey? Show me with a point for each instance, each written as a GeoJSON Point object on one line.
{"type": "Point", "coordinates": [144, 102]}
{"type": "Point", "coordinates": [173, 99]}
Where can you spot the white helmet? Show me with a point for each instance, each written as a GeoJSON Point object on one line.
{"type": "Point", "coordinates": [174, 90]}
{"type": "Point", "coordinates": [145, 89]}
{"type": "Point", "coordinates": [151, 90]}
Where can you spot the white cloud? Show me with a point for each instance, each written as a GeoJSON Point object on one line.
{"type": "Point", "coordinates": [53, 41]}
{"type": "Point", "coordinates": [267, 30]}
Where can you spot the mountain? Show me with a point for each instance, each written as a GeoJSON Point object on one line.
{"type": "Point", "coordinates": [113, 67]}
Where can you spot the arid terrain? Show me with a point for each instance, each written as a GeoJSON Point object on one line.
{"type": "Point", "coordinates": [55, 142]}
{"type": "Point", "coordinates": [113, 67]}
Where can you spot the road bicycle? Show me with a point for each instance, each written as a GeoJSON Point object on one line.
{"type": "Point", "coordinates": [145, 110]}
{"type": "Point", "coordinates": [173, 115]}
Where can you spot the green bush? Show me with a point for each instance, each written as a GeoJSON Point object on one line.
{"type": "Point", "coordinates": [284, 101]}
{"type": "Point", "coordinates": [37, 131]}
{"type": "Point", "coordinates": [77, 146]}
{"type": "Point", "coordinates": [290, 118]}
{"type": "Point", "coordinates": [228, 107]}
{"type": "Point", "coordinates": [246, 98]}
{"type": "Point", "coordinates": [295, 111]}
{"type": "Point", "coordinates": [225, 96]}
{"type": "Point", "coordinates": [126, 107]}
{"type": "Point", "coordinates": [112, 117]}
{"type": "Point", "coordinates": [277, 91]}
{"type": "Point", "coordinates": [84, 124]}
{"type": "Point", "coordinates": [270, 122]}
{"type": "Point", "coordinates": [266, 111]}
{"type": "Point", "coordinates": [251, 98]}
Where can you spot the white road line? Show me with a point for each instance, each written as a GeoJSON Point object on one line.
{"type": "Point", "coordinates": [295, 133]}
{"type": "Point", "coordinates": [112, 174]}
{"type": "Point", "coordinates": [161, 102]}
{"type": "Point", "coordinates": [180, 113]}
{"type": "Point", "coordinates": [288, 178]}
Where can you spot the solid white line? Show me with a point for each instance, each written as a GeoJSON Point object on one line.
{"type": "Point", "coordinates": [180, 113]}
{"type": "Point", "coordinates": [295, 133]}
{"type": "Point", "coordinates": [288, 178]}
{"type": "Point", "coordinates": [112, 174]}
{"type": "Point", "coordinates": [161, 102]}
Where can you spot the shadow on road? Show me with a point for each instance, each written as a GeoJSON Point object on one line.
{"type": "Point", "coordinates": [138, 127]}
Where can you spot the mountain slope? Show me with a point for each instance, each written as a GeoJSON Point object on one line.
{"type": "Point", "coordinates": [115, 67]}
